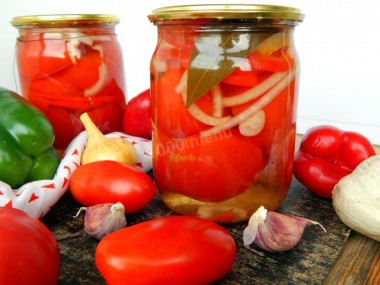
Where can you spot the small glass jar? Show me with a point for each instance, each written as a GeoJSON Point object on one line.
{"type": "Point", "coordinates": [71, 64]}
{"type": "Point", "coordinates": [224, 85]}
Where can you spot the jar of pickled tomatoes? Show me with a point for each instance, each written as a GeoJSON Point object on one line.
{"type": "Point", "coordinates": [68, 65]}
{"type": "Point", "coordinates": [224, 87]}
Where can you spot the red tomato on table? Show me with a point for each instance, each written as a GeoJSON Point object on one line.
{"type": "Point", "coordinates": [169, 250]}
{"type": "Point", "coordinates": [29, 253]}
{"type": "Point", "coordinates": [111, 182]}
{"type": "Point", "coordinates": [137, 118]}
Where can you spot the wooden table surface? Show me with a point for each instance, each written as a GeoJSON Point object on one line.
{"type": "Point", "coordinates": [340, 256]}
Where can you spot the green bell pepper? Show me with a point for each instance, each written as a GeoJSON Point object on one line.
{"type": "Point", "coordinates": [26, 142]}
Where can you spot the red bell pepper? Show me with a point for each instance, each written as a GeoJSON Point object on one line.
{"type": "Point", "coordinates": [326, 155]}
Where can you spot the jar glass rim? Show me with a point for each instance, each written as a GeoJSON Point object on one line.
{"type": "Point", "coordinates": [64, 19]}
{"type": "Point", "coordinates": [227, 11]}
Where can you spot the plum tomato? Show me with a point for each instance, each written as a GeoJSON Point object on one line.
{"type": "Point", "coordinates": [137, 119]}
{"type": "Point", "coordinates": [168, 250]}
{"type": "Point", "coordinates": [29, 253]}
{"type": "Point", "coordinates": [111, 182]}
{"type": "Point", "coordinates": [210, 169]}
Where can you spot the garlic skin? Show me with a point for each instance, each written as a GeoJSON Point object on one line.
{"type": "Point", "coordinates": [100, 147]}
{"type": "Point", "coordinates": [356, 198]}
{"type": "Point", "coordinates": [103, 219]}
{"type": "Point", "coordinates": [274, 232]}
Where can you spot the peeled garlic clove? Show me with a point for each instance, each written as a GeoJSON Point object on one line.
{"type": "Point", "coordinates": [103, 219]}
{"type": "Point", "coordinates": [274, 232]}
{"type": "Point", "coordinates": [100, 147]}
{"type": "Point", "coordinates": [253, 125]}
{"type": "Point", "coordinates": [356, 198]}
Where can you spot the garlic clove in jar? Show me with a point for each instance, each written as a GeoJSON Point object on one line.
{"type": "Point", "coordinates": [356, 198]}
{"type": "Point", "coordinates": [274, 232]}
{"type": "Point", "coordinates": [103, 219]}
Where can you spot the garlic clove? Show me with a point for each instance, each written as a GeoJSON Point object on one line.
{"type": "Point", "coordinates": [103, 219]}
{"type": "Point", "coordinates": [274, 232]}
{"type": "Point", "coordinates": [253, 125]}
{"type": "Point", "coordinates": [356, 198]}
{"type": "Point", "coordinates": [100, 147]}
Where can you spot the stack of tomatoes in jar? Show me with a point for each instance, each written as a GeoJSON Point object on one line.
{"type": "Point", "coordinates": [224, 119]}
{"type": "Point", "coordinates": [71, 64]}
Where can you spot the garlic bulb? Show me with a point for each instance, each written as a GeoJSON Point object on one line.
{"type": "Point", "coordinates": [100, 147]}
{"type": "Point", "coordinates": [356, 198]}
{"type": "Point", "coordinates": [274, 232]}
{"type": "Point", "coordinates": [103, 219]}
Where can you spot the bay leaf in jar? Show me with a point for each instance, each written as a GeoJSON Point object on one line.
{"type": "Point", "coordinates": [216, 54]}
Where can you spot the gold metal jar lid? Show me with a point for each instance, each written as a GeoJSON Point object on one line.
{"type": "Point", "coordinates": [64, 19]}
{"type": "Point", "coordinates": [222, 12]}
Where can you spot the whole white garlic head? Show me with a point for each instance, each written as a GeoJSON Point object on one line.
{"type": "Point", "coordinates": [356, 198]}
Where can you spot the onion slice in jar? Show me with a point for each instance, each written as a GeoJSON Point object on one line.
{"type": "Point", "coordinates": [254, 108]}
{"type": "Point", "coordinates": [217, 98]}
{"type": "Point", "coordinates": [201, 116]}
{"type": "Point", "coordinates": [99, 85]}
{"type": "Point", "coordinates": [254, 92]}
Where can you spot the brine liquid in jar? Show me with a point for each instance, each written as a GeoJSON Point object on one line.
{"type": "Point", "coordinates": [68, 65]}
{"type": "Point", "coordinates": [224, 92]}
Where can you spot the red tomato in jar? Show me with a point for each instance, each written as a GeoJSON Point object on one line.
{"type": "Point", "coordinates": [170, 113]}
{"type": "Point", "coordinates": [52, 86]}
{"type": "Point", "coordinates": [173, 119]}
{"type": "Point", "coordinates": [210, 169]}
{"type": "Point", "coordinates": [242, 78]}
{"type": "Point", "coordinates": [111, 182]}
{"type": "Point", "coordinates": [279, 61]}
{"type": "Point", "coordinates": [108, 118]}
{"type": "Point", "coordinates": [177, 44]}
{"type": "Point", "coordinates": [29, 253]}
{"type": "Point", "coordinates": [279, 112]}
{"type": "Point", "coordinates": [66, 125]}
{"type": "Point", "coordinates": [85, 73]}
{"type": "Point", "coordinates": [38, 57]}
{"type": "Point", "coordinates": [169, 250]}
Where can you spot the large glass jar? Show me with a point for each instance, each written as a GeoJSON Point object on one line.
{"type": "Point", "coordinates": [71, 64]}
{"type": "Point", "coordinates": [224, 84]}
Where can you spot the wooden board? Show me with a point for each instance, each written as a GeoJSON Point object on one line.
{"type": "Point", "coordinates": [308, 263]}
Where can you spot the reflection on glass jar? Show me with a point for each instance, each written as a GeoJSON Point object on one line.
{"type": "Point", "coordinates": [68, 65]}
{"type": "Point", "coordinates": [224, 85]}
